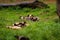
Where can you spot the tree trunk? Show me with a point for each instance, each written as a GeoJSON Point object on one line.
{"type": "Point", "coordinates": [58, 8]}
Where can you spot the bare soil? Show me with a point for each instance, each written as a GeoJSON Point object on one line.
{"type": "Point", "coordinates": [14, 1]}
{"type": "Point", "coordinates": [19, 1]}
{"type": "Point", "coordinates": [50, 1]}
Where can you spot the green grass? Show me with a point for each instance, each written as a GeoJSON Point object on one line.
{"type": "Point", "coordinates": [45, 29]}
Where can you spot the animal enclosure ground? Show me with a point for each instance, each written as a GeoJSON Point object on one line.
{"type": "Point", "coordinates": [45, 29]}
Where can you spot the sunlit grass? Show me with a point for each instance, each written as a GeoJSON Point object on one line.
{"type": "Point", "coordinates": [45, 29]}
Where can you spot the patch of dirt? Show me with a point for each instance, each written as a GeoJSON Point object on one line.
{"type": "Point", "coordinates": [50, 1]}
{"type": "Point", "coordinates": [14, 1]}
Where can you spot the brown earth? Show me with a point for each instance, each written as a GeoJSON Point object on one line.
{"type": "Point", "coordinates": [50, 1]}
{"type": "Point", "coordinates": [14, 1]}
{"type": "Point", "coordinates": [19, 1]}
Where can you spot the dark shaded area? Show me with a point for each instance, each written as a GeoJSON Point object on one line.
{"type": "Point", "coordinates": [44, 38]}
{"type": "Point", "coordinates": [57, 20]}
{"type": "Point", "coordinates": [0, 39]}
{"type": "Point", "coordinates": [24, 38]}
{"type": "Point", "coordinates": [33, 5]}
{"type": "Point", "coordinates": [21, 38]}
{"type": "Point", "coordinates": [58, 8]}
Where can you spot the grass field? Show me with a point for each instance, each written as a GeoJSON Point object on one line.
{"type": "Point", "coordinates": [46, 29]}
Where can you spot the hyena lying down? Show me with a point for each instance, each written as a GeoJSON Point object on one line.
{"type": "Point", "coordinates": [29, 17]}
{"type": "Point", "coordinates": [18, 25]}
